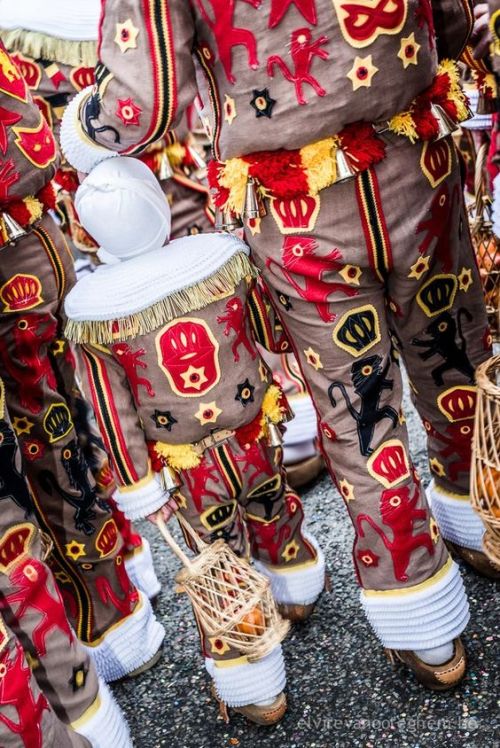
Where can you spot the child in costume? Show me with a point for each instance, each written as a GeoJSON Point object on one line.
{"type": "Point", "coordinates": [179, 389]}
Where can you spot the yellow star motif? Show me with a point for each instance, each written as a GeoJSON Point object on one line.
{"type": "Point", "coordinates": [419, 268]}
{"type": "Point", "coordinates": [263, 373]}
{"type": "Point", "coordinates": [408, 51]}
{"type": "Point", "coordinates": [434, 530]}
{"type": "Point", "coordinates": [208, 413]}
{"type": "Point", "coordinates": [291, 551]}
{"type": "Point", "coordinates": [254, 225]}
{"type": "Point", "coordinates": [199, 375]}
{"type": "Point", "coordinates": [437, 467]}
{"type": "Point", "coordinates": [351, 274]}
{"type": "Point", "coordinates": [75, 550]}
{"type": "Point", "coordinates": [465, 279]}
{"type": "Point", "coordinates": [21, 425]}
{"type": "Point", "coordinates": [362, 72]}
{"type": "Point", "coordinates": [57, 347]}
{"type": "Point", "coordinates": [347, 490]}
{"type": "Point", "coordinates": [180, 500]}
{"type": "Point", "coordinates": [218, 646]}
{"type": "Point", "coordinates": [126, 35]}
{"type": "Point", "coordinates": [313, 358]}
{"type": "Point", "coordinates": [229, 109]}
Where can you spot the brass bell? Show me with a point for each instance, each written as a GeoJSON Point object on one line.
{"type": "Point", "coordinates": [344, 168]}
{"type": "Point", "coordinates": [169, 479]}
{"type": "Point", "coordinates": [485, 105]}
{"type": "Point", "coordinates": [227, 220]}
{"type": "Point", "coordinates": [165, 171]}
{"type": "Point", "coordinates": [253, 207]}
{"type": "Point", "coordinates": [200, 171]}
{"type": "Point", "coordinates": [275, 437]}
{"type": "Point", "coordinates": [10, 229]}
{"type": "Point", "coordinates": [446, 126]}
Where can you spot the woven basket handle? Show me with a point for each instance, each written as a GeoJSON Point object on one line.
{"type": "Point", "coordinates": [173, 544]}
{"type": "Point", "coordinates": [480, 182]}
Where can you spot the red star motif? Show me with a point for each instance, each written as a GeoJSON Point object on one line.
{"type": "Point", "coordinates": [128, 112]}
{"type": "Point", "coordinates": [6, 118]}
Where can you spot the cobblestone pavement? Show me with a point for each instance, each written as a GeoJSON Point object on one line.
{"type": "Point", "coordinates": [342, 691]}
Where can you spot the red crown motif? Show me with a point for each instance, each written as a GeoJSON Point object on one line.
{"type": "Point", "coordinates": [21, 292]}
{"type": "Point", "coordinates": [389, 464]}
{"type": "Point", "coordinates": [107, 540]}
{"type": "Point", "coordinates": [30, 70]}
{"type": "Point", "coordinates": [458, 403]}
{"type": "Point", "coordinates": [82, 77]}
{"type": "Point", "coordinates": [295, 214]}
{"type": "Point", "coordinates": [14, 544]}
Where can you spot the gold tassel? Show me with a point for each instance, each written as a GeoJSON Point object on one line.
{"type": "Point", "coordinates": [179, 303]}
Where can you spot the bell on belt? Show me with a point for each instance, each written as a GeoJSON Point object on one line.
{"type": "Point", "coordinates": [275, 438]}
{"type": "Point", "coordinates": [200, 171]}
{"type": "Point", "coordinates": [445, 124]}
{"type": "Point", "coordinates": [226, 220]}
{"type": "Point", "coordinates": [10, 230]}
{"type": "Point", "coordinates": [344, 168]}
{"type": "Point", "coordinates": [165, 170]}
{"type": "Point", "coordinates": [253, 207]}
{"type": "Point", "coordinates": [169, 479]}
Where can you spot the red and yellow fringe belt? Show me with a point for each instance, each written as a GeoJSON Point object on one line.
{"type": "Point", "coordinates": [29, 210]}
{"type": "Point", "coordinates": [274, 410]}
{"type": "Point", "coordinates": [288, 173]}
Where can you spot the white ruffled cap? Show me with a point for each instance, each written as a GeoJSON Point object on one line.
{"type": "Point", "coordinates": [123, 208]}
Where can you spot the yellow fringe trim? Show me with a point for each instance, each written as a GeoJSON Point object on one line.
{"type": "Point", "coordinates": [319, 162]}
{"type": "Point", "coordinates": [34, 206]}
{"type": "Point", "coordinates": [185, 456]}
{"type": "Point", "coordinates": [40, 46]}
{"type": "Point", "coordinates": [181, 302]}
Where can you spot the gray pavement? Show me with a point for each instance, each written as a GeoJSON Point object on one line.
{"type": "Point", "coordinates": [342, 691]}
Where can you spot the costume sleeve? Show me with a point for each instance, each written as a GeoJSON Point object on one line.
{"type": "Point", "coordinates": [266, 325]}
{"type": "Point", "coordinates": [139, 491]}
{"type": "Point", "coordinates": [145, 79]}
{"type": "Point", "coordinates": [453, 22]}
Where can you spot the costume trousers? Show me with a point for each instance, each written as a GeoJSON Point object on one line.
{"type": "Point", "coordinates": [35, 363]}
{"type": "Point", "coordinates": [241, 495]}
{"type": "Point", "coordinates": [374, 270]}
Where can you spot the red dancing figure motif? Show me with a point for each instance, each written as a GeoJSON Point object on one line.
{"type": "Point", "coordinates": [299, 257]}
{"type": "Point", "coordinates": [227, 35]}
{"type": "Point", "coordinates": [31, 582]}
{"type": "Point", "coordinates": [197, 480]}
{"type": "Point", "coordinates": [15, 691]}
{"type": "Point", "coordinates": [130, 361]}
{"type": "Point", "coordinates": [303, 50]}
{"type": "Point", "coordinates": [125, 604]}
{"type": "Point", "coordinates": [440, 226]}
{"type": "Point", "coordinates": [254, 458]}
{"type": "Point", "coordinates": [34, 364]}
{"type": "Point", "coordinates": [266, 542]}
{"type": "Point", "coordinates": [399, 512]}
{"type": "Point", "coordinates": [279, 8]}
{"type": "Point", "coordinates": [235, 319]}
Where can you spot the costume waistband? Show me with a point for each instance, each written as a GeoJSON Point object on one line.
{"type": "Point", "coordinates": [274, 410]}
{"type": "Point", "coordinates": [286, 174]}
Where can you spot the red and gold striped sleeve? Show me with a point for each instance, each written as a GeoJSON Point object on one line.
{"type": "Point", "coordinates": [139, 491]}
{"type": "Point", "coordinates": [145, 79]}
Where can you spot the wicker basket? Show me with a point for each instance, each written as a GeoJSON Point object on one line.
{"type": "Point", "coordinates": [486, 244]}
{"type": "Point", "coordinates": [485, 476]}
{"type": "Point", "coordinates": [232, 601]}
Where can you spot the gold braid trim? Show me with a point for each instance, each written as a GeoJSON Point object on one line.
{"type": "Point", "coordinates": [42, 46]}
{"type": "Point", "coordinates": [176, 304]}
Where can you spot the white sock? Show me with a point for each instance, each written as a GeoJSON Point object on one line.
{"type": "Point", "coordinates": [436, 655]}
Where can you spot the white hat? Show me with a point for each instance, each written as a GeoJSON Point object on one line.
{"type": "Point", "coordinates": [122, 206]}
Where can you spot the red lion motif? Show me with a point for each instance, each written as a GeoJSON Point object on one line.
{"type": "Point", "coordinates": [440, 225]}
{"type": "Point", "coordinates": [399, 513]}
{"type": "Point", "coordinates": [197, 479]}
{"type": "Point", "coordinates": [130, 361]}
{"type": "Point", "coordinates": [303, 51]}
{"type": "Point", "coordinates": [266, 542]}
{"type": "Point", "coordinates": [125, 605]}
{"type": "Point", "coordinates": [235, 318]}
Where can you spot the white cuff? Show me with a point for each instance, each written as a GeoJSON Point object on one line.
{"type": "Point", "coordinates": [104, 724]}
{"type": "Point", "coordinates": [143, 499]}
{"type": "Point", "coordinates": [141, 571]}
{"type": "Point", "coordinates": [132, 643]}
{"type": "Point", "coordinates": [78, 148]}
{"type": "Point", "coordinates": [457, 520]}
{"type": "Point", "coordinates": [429, 615]}
{"type": "Point", "coordinates": [299, 586]}
{"type": "Point", "coordinates": [240, 685]}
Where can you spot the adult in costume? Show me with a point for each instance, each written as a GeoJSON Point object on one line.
{"type": "Point", "coordinates": [37, 366]}
{"type": "Point", "coordinates": [335, 117]}
{"type": "Point", "coordinates": [180, 390]}
{"type": "Point", "coordinates": [50, 694]}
